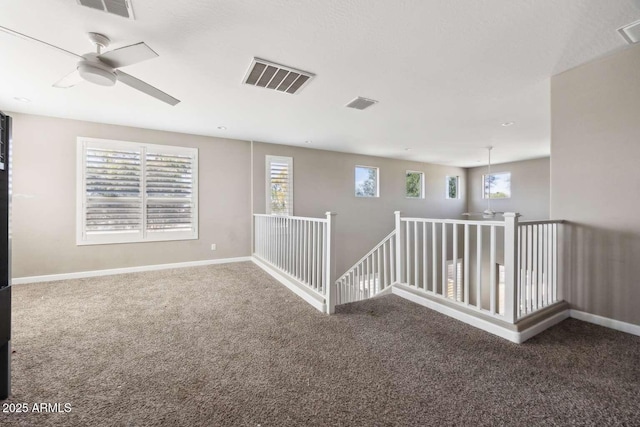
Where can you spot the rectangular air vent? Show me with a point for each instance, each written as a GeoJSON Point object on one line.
{"type": "Point", "coordinates": [631, 33]}
{"type": "Point", "coordinates": [278, 77]}
{"type": "Point", "coordinates": [361, 103]}
{"type": "Point", "coordinates": [115, 7]}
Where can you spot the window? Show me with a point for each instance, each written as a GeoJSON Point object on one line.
{"type": "Point", "coordinates": [367, 182]}
{"type": "Point", "coordinates": [452, 187]}
{"type": "Point", "coordinates": [279, 185]}
{"type": "Point", "coordinates": [131, 192]}
{"type": "Point", "coordinates": [497, 185]}
{"type": "Point", "coordinates": [415, 185]}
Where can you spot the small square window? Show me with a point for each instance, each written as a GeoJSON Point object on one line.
{"type": "Point", "coordinates": [452, 190]}
{"type": "Point", "coordinates": [497, 185]}
{"type": "Point", "coordinates": [367, 181]}
{"type": "Point", "coordinates": [415, 185]}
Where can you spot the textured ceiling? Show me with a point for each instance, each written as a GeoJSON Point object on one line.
{"type": "Point", "coordinates": [446, 73]}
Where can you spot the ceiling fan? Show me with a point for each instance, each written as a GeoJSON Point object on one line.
{"type": "Point", "coordinates": [104, 68]}
{"type": "Point", "coordinates": [487, 213]}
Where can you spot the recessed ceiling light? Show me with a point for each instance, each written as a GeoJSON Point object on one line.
{"type": "Point", "coordinates": [222, 127]}
{"type": "Point", "coordinates": [21, 99]}
{"type": "Point", "coordinates": [505, 124]}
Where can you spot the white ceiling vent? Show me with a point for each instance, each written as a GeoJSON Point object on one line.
{"type": "Point", "coordinates": [631, 32]}
{"type": "Point", "coordinates": [116, 7]}
{"type": "Point", "coordinates": [278, 77]}
{"type": "Point", "coordinates": [361, 103]}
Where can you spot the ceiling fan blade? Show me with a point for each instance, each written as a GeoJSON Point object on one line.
{"type": "Point", "coordinates": [69, 80]}
{"type": "Point", "coordinates": [127, 55]}
{"type": "Point", "coordinates": [26, 37]}
{"type": "Point", "coordinates": [138, 84]}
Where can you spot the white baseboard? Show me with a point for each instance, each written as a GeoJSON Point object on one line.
{"type": "Point", "coordinates": [95, 273]}
{"type": "Point", "coordinates": [492, 328]}
{"type": "Point", "coordinates": [618, 325]}
{"type": "Point", "coordinates": [544, 325]}
{"type": "Point", "coordinates": [314, 299]}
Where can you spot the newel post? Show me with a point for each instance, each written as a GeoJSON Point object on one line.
{"type": "Point", "coordinates": [399, 269]}
{"type": "Point", "coordinates": [330, 274]}
{"type": "Point", "coordinates": [511, 245]}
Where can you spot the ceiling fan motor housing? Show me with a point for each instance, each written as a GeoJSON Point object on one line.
{"type": "Point", "coordinates": [94, 71]}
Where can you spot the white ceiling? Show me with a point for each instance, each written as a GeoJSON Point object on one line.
{"type": "Point", "coordinates": [446, 73]}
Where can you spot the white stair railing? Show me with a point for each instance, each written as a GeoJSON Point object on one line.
{"type": "Point", "coordinates": [538, 267]}
{"type": "Point", "coordinates": [299, 247]}
{"type": "Point", "coordinates": [372, 274]}
{"type": "Point", "coordinates": [455, 260]}
{"type": "Point", "coordinates": [505, 269]}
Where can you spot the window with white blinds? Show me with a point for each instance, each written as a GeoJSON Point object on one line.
{"type": "Point", "coordinates": [131, 192]}
{"type": "Point", "coordinates": [279, 180]}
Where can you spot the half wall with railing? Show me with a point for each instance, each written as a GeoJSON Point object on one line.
{"type": "Point", "coordinates": [299, 250]}
{"type": "Point", "coordinates": [504, 269]}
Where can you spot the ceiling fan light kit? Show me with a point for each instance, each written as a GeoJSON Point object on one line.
{"type": "Point", "coordinates": [95, 72]}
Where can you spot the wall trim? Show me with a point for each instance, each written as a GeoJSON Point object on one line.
{"type": "Point", "coordinates": [607, 322]}
{"type": "Point", "coordinates": [492, 328]}
{"type": "Point", "coordinates": [543, 325]}
{"type": "Point", "coordinates": [124, 270]}
{"type": "Point", "coordinates": [314, 299]}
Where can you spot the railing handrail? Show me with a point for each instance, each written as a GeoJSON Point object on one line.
{"type": "Point", "coordinates": [302, 218]}
{"type": "Point", "coordinates": [375, 248]}
{"type": "Point", "coordinates": [545, 221]}
{"type": "Point", "coordinates": [453, 221]}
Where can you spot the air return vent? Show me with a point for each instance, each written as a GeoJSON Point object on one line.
{"type": "Point", "coordinates": [278, 77]}
{"type": "Point", "coordinates": [116, 7]}
{"type": "Point", "coordinates": [361, 103]}
{"type": "Point", "coordinates": [631, 32]}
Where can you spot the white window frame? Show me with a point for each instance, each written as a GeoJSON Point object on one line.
{"type": "Point", "coordinates": [421, 196]}
{"type": "Point", "coordinates": [446, 187]}
{"type": "Point", "coordinates": [82, 238]}
{"type": "Point", "coordinates": [355, 189]}
{"type": "Point", "coordinates": [484, 192]}
{"type": "Point", "coordinates": [280, 159]}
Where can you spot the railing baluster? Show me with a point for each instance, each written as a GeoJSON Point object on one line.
{"type": "Point", "coordinates": [424, 256]}
{"type": "Point", "coordinates": [529, 269]}
{"type": "Point", "coordinates": [466, 264]}
{"type": "Point", "coordinates": [455, 261]}
{"type": "Point", "coordinates": [368, 275]}
{"type": "Point", "coordinates": [408, 252]}
{"type": "Point", "coordinates": [434, 258]}
{"type": "Point", "coordinates": [379, 283]}
{"type": "Point", "coordinates": [534, 266]}
{"type": "Point", "coordinates": [385, 266]}
{"type": "Point", "coordinates": [479, 266]}
{"type": "Point", "coordinates": [415, 255]}
{"type": "Point", "coordinates": [444, 259]}
{"type": "Point", "coordinates": [555, 262]}
{"type": "Point", "coordinates": [392, 257]}
{"type": "Point", "coordinates": [492, 272]}
{"type": "Point", "coordinates": [521, 293]}
{"type": "Point", "coordinates": [547, 260]}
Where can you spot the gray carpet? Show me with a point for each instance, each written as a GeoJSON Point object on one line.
{"type": "Point", "coordinates": [226, 345]}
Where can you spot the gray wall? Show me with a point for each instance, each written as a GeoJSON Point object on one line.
{"type": "Point", "coordinates": [324, 181]}
{"type": "Point", "coordinates": [529, 189]}
{"type": "Point", "coordinates": [44, 199]}
{"type": "Point", "coordinates": [595, 177]}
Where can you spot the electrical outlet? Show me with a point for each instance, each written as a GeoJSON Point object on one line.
{"type": "Point", "coordinates": [213, 247]}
